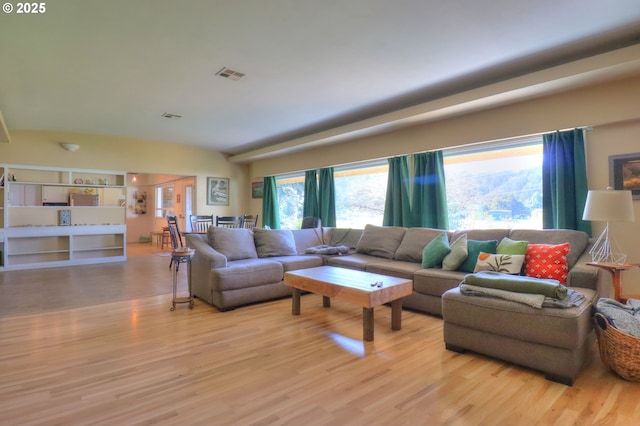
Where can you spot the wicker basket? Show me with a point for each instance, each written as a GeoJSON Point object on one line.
{"type": "Point", "coordinates": [619, 351]}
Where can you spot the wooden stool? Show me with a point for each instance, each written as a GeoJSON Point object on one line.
{"type": "Point", "coordinates": [165, 238]}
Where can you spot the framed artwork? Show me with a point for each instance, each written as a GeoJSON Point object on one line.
{"type": "Point", "coordinates": [257, 189]}
{"type": "Point", "coordinates": [624, 173]}
{"type": "Point", "coordinates": [217, 191]}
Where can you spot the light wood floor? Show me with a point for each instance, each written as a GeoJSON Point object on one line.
{"type": "Point", "coordinates": [135, 362]}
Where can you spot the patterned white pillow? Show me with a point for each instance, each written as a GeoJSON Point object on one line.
{"type": "Point", "coordinates": [505, 263]}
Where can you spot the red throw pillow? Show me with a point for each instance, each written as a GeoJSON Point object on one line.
{"type": "Point", "coordinates": [547, 261]}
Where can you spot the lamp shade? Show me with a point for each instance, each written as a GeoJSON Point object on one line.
{"type": "Point", "coordinates": [609, 206]}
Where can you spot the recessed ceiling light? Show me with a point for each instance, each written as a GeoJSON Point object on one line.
{"type": "Point", "coordinates": [171, 116]}
{"type": "Point", "coordinates": [230, 74]}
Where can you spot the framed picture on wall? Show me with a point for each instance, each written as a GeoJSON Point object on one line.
{"type": "Point", "coordinates": [624, 173]}
{"type": "Point", "coordinates": [217, 191]}
{"type": "Point", "coordinates": [257, 189]}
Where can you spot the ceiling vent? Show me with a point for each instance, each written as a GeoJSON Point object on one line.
{"type": "Point", "coordinates": [230, 74]}
{"type": "Point", "coordinates": [171, 116]}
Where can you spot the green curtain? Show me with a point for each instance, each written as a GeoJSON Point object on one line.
{"type": "Point", "coordinates": [564, 181]}
{"type": "Point", "coordinates": [397, 209]}
{"type": "Point", "coordinates": [327, 197]}
{"type": "Point", "coordinates": [270, 208]}
{"type": "Point", "coordinates": [429, 197]}
{"type": "Point", "coordinates": [310, 205]}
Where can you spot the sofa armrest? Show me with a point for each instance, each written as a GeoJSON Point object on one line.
{"type": "Point", "coordinates": [205, 253]}
{"type": "Point", "coordinates": [585, 276]}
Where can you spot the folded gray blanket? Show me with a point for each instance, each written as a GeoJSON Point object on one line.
{"type": "Point", "coordinates": [539, 301]}
{"type": "Point", "coordinates": [624, 317]}
{"type": "Point", "coordinates": [517, 283]}
{"type": "Point", "coordinates": [325, 249]}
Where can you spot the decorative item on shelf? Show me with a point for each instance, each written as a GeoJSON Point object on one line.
{"type": "Point", "coordinates": [64, 217]}
{"type": "Point", "coordinates": [608, 206]}
{"type": "Point", "coordinates": [78, 181]}
{"type": "Point", "coordinates": [141, 202]}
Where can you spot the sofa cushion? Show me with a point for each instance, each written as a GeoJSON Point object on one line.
{"type": "Point", "coordinates": [394, 268]}
{"type": "Point", "coordinates": [458, 254]}
{"type": "Point", "coordinates": [342, 236]}
{"type": "Point", "coordinates": [578, 240]}
{"type": "Point", "coordinates": [475, 247]}
{"type": "Point", "coordinates": [291, 263]}
{"type": "Point", "coordinates": [381, 241]}
{"type": "Point", "coordinates": [305, 238]}
{"type": "Point", "coordinates": [435, 281]}
{"type": "Point", "coordinates": [355, 261]}
{"type": "Point", "coordinates": [548, 261]}
{"type": "Point", "coordinates": [274, 242]}
{"type": "Point", "coordinates": [413, 242]}
{"type": "Point", "coordinates": [245, 273]}
{"type": "Point", "coordinates": [234, 243]}
{"type": "Point", "coordinates": [509, 246]}
{"type": "Point", "coordinates": [434, 252]}
{"type": "Point", "coordinates": [505, 263]}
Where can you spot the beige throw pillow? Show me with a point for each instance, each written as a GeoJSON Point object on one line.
{"type": "Point", "coordinates": [274, 242]}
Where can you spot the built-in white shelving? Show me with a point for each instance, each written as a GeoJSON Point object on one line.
{"type": "Point", "coordinates": [34, 202]}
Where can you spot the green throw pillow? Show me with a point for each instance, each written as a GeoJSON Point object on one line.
{"type": "Point", "coordinates": [458, 254]}
{"type": "Point", "coordinates": [475, 247]}
{"type": "Point", "coordinates": [509, 246]}
{"type": "Point", "coordinates": [435, 251]}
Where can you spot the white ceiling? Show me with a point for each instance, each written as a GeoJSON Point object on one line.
{"type": "Point", "coordinates": [114, 67]}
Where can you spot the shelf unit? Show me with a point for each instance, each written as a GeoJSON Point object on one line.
{"type": "Point", "coordinates": [32, 233]}
{"type": "Point", "coordinates": [2, 214]}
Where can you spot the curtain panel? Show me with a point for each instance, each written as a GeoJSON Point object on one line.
{"type": "Point", "coordinates": [397, 208]}
{"type": "Point", "coordinates": [270, 207]}
{"type": "Point", "coordinates": [429, 196]}
{"type": "Point", "coordinates": [310, 205]}
{"type": "Point", "coordinates": [564, 181]}
{"type": "Point", "coordinates": [327, 197]}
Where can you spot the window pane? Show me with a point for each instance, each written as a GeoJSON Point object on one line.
{"type": "Point", "coordinates": [500, 188]}
{"type": "Point", "coordinates": [360, 195]}
{"type": "Point", "coordinates": [290, 201]}
{"type": "Point", "coordinates": [164, 201]}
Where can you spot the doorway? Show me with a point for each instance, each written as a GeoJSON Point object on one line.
{"type": "Point", "coordinates": [165, 195]}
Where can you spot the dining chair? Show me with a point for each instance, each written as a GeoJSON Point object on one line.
{"type": "Point", "coordinates": [176, 237]}
{"type": "Point", "coordinates": [311, 222]}
{"type": "Point", "coordinates": [201, 223]}
{"type": "Point", "coordinates": [250, 221]}
{"type": "Point", "coordinates": [229, 221]}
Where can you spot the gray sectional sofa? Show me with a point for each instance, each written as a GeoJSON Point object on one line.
{"type": "Point", "coordinates": [235, 267]}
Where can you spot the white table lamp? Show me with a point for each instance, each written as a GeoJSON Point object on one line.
{"type": "Point", "coordinates": [608, 206]}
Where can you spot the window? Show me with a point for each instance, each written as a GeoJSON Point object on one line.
{"type": "Point", "coordinates": [164, 201]}
{"type": "Point", "coordinates": [290, 200]}
{"type": "Point", "coordinates": [496, 187]}
{"type": "Point", "coordinates": [360, 195]}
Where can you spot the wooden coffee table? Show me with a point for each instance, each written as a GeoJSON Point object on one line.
{"type": "Point", "coordinates": [359, 287]}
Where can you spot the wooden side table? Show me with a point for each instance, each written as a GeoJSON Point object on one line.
{"type": "Point", "coordinates": [616, 276]}
{"type": "Point", "coordinates": [178, 257]}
